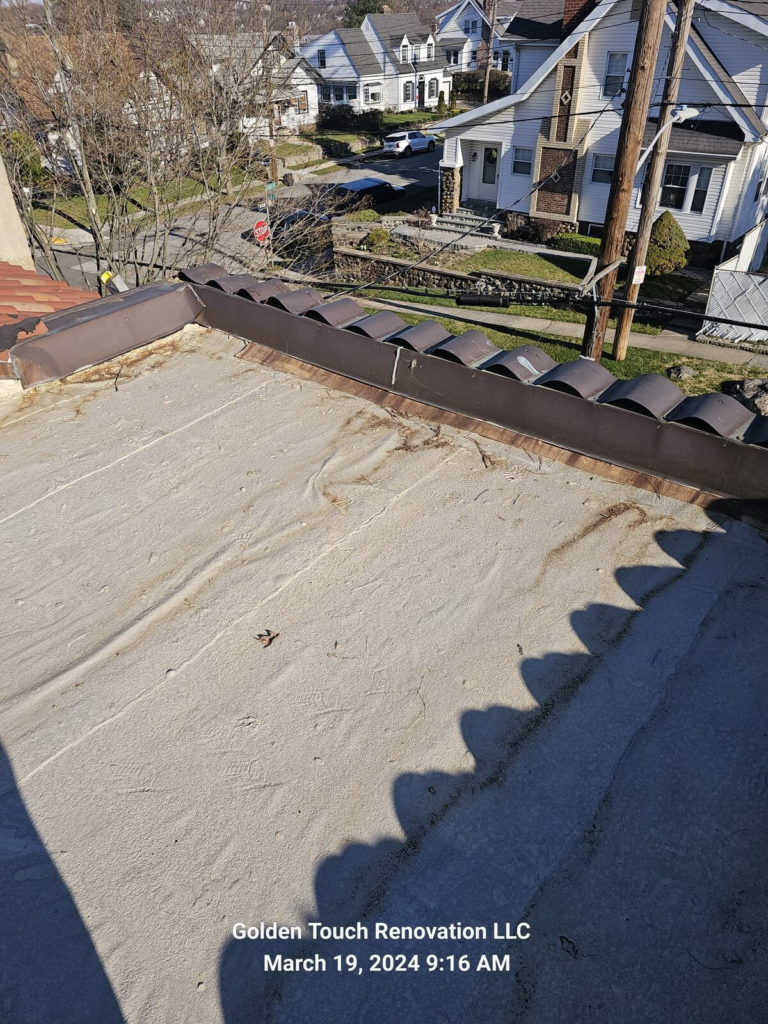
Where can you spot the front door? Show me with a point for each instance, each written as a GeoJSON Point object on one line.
{"type": "Point", "coordinates": [421, 94]}
{"type": "Point", "coordinates": [489, 173]}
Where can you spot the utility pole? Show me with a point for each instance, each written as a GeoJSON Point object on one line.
{"type": "Point", "coordinates": [630, 140]}
{"type": "Point", "coordinates": [653, 175]}
{"type": "Point", "coordinates": [491, 10]}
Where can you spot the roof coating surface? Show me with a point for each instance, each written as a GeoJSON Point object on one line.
{"type": "Point", "coordinates": [272, 653]}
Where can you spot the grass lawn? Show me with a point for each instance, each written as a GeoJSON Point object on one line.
{"type": "Point", "coordinates": [711, 374]}
{"type": "Point", "coordinates": [293, 149]}
{"type": "Point", "coordinates": [527, 264]}
{"type": "Point", "coordinates": [669, 287]}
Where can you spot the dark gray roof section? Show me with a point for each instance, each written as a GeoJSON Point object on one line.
{"type": "Point", "coordinates": [359, 51]}
{"type": "Point", "coordinates": [536, 20]}
{"type": "Point", "coordinates": [747, 110]}
{"type": "Point", "coordinates": [684, 139]}
{"type": "Point", "coordinates": [391, 28]}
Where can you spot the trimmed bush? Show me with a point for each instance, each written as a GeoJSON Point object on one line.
{"type": "Point", "coordinates": [585, 244]}
{"type": "Point", "coordinates": [442, 106]}
{"type": "Point", "coordinates": [668, 247]}
{"type": "Point", "coordinates": [376, 240]}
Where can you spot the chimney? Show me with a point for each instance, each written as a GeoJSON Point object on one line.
{"type": "Point", "coordinates": [574, 12]}
{"type": "Point", "coordinates": [386, 9]}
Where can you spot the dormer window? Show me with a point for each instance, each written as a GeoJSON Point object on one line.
{"type": "Point", "coordinates": [404, 53]}
{"type": "Point", "coordinates": [417, 53]}
{"type": "Point", "coordinates": [430, 51]}
{"type": "Point", "coordinates": [467, 27]}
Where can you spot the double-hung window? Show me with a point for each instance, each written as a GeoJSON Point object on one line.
{"type": "Point", "coordinates": [674, 186]}
{"type": "Point", "coordinates": [522, 160]}
{"type": "Point", "coordinates": [416, 54]}
{"type": "Point", "coordinates": [302, 102]}
{"type": "Point", "coordinates": [351, 93]}
{"type": "Point", "coordinates": [433, 88]}
{"type": "Point", "coordinates": [372, 93]}
{"type": "Point", "coordinates": [404, 53]}
{"type": "Point", "coordinates": [703, 179]}
{"type": "Point", "coordinates": [338, 93]}
{"type": "Point", "coordinates": [325, 94]}
{"type": "Point", "coordinates": [430, 51]}
{"type": "Point", "coordinates": [615, 70]}
{"type": "Point", "coordinates": [467, 27]}
{"type": "Point", "coordinates": [407, 92]}
{"type": "Point", "coordinates": [602, 169]}
{"type": "Point", "coordinates": [321, 58]}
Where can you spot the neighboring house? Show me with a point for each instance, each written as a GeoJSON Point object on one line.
{"type": "Point", "coordinates": [275, 71]}
{"type": "Point", "coordinates": [565, 110]}
{"type": "Point", "coordinates": [463, 31]}
{"type": "Point", "coordinates": [390, 62]}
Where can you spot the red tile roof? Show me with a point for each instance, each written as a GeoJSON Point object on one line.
{"type": "Point", "coordinates": [23, 293]}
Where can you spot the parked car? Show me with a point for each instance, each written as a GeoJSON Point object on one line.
{"type": "Point", "coordinates": [342, 195]}
{"type": "Point", "coordinates": [408, 143]}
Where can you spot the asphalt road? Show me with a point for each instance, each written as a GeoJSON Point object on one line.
{"type": "Point", "coordinates": [421, 169]}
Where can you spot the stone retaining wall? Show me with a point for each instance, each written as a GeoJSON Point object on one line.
{"type": "Point", "coordinates": [353, 265]}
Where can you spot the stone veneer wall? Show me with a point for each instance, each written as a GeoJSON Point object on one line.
{"type": "Point", "coordinates": [353, 265]}
{"type": "Point", "coordinates": [450, 189]}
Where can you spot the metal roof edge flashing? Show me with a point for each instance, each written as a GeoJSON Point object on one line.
{"type": "Point", "coordinates": [98, 331]}
{"type": "Point", "coordinates": [631, 438]}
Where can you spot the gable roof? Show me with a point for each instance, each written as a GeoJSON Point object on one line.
{"type": "Point", "coordinates": [391, 28]}
{"type": "Point", "coordinates": [359, 51]}
{"type": "Point", "coordinates": [702, 54]}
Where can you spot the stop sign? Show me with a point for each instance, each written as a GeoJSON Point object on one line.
{"type": "Point", "coordinates": [261, 232]}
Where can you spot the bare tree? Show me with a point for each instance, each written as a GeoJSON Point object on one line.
{"type": "Point", "coordinates": [144, 122]}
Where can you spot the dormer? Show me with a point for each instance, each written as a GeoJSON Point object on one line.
{"type": "Point", "coordinates": [404, 50]}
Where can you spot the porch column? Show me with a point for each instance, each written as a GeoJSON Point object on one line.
{"type": "Point", "coordinates": [450, 176]}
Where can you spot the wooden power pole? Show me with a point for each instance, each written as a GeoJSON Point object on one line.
{"type": "Point", "coordinates": [653, 176]}
{"type": "Point", "coordinates": [491, 10]}
{"type": "Point", "coordinates": [627, 155]}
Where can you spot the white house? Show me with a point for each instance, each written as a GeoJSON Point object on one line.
{"type": "Point", "coordinates": [390, 62]}
{"type": "Point", "coordinates": [463, 31]}
{"type": "Point", "coordinates": [564, 113]}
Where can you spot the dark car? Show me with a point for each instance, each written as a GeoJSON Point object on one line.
{"type": "Point", "coordinates": [361, 191]}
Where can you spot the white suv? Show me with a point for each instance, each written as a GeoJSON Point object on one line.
{"type": "Point", "coordinates": [408, 143]}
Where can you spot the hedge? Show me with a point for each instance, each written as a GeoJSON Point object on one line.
{"type": "Point", "coordinates": [585, 244]}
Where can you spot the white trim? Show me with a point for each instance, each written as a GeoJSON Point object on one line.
{"type": "Point", "coordinates": [589, 23]}
{"type": "Point", "coordinates": [726, 183]}
{"type": "Point", "coordinates": [737, 14]}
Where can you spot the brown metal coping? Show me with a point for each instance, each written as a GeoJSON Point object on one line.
{"type": "Point", "coordinates": [379, 326]}
{"type": "Point", "coordinates": [296, 302]}
{"type": "Point", "coordinates": [650, 394]}
{"type": "Point", "coordinates": [207, 273]}
{"type": "Point", "coordinates": [98, 331]}
{"type": "Point", "coordinates": [524, 363]}
{"type": "Point", "coordinates": [422, 337]}
{"type": "Point", "coordinates": [676, 451]}
{"type": "Point", "coordinates": [719, 414]}
{"type": "Point", "coordinates": [470, 348]}
{"type": "Point", "coordinates": [233, 284]}
{"type": "Point", "coordinates": [263, 290]}
{"type": "Point", "coordinates": [584, 378]}
{"type": "Point", "coordinates": [338, 313]}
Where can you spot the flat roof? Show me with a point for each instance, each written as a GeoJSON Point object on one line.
{"type": "Point", "coordinates": [274, 653]}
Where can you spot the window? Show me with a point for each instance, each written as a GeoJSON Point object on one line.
{"type": "Point", "coordinates": [408, 92]}
{"type": "Point", "coordinates": [325, 94]}
{"type": "Point", "coordinates": [351, 93]}
{"type": "Point", "coordinates": [321, 58]}
{"type": "Point", "coordinates": [760, 183]}
{"type": "Point", "coordinates": [416, 53]}
{"type": "Point", "coordinates": [433, 88]}
{"type": "Point", "coordinates": [474, 56]}
{"type": "Point", "coordinates": [615, 69]}
{"type": "Point", "coordinates": [338, 93]}
{"type": "Point", "coordinates": [674, 186]}
{"type": "Point", "coordinates": [467, 27]}
{"type": "Point", "coordinates": [522, 160]}
{"type": "Point", "coordinates": [372, 93]}
{"type": "Point", "coordinates": [505, 60]}
{"type": "Point", "coordinates": [404, 53]}
{"type": "Point", "coordinates": [703, 179]}
{"type": "Point", "coordinates": [452, 56]}
{"type": "Point", "coordinates": [474, 27]}
{"type": "Point", "coordinates": [302, 102]}
{"type": "Point", "coordinates": [602, 169]}
{"type": "Point", "coordinates": [430, 51]}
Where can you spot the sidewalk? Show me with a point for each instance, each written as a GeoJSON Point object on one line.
{"type": "Point", "coordinates": [669, 340]}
